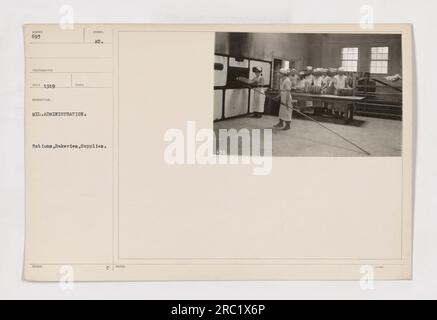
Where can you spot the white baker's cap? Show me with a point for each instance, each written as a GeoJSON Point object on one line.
{"type": "Point", "coordinates": [285, 71]}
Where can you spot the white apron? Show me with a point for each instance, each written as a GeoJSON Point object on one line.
{"type": "Point", "coordinates": [309, 81]}
{"type": "Point", "coordinates": [258, 101]}
{"type": "Point", "coordinates": [340, 83]}
{"type": "Point", "coordinates": [285, 113]}
{"type": "Point", "coordinates": [319, 83]}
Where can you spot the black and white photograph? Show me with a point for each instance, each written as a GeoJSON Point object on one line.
{"type": "Point", "coordinates": [321, 95]}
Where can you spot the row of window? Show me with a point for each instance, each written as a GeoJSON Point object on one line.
{"type": "Point", "coordinates": [378, 60]}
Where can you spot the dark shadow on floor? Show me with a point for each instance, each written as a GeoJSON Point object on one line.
{"type": "Point", "coordinates": [332, 119]}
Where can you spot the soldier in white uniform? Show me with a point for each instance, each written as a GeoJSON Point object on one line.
{"type": "Point", "coordinates": [257, 84]}
{"type": "Point", "coordinates": [326, 80]}
{"type": "Point", "coordinates": [285, 110]}
{"type": "Point", "coordinates": [340, 81]}
{"type": "Point", "coordinates": [318, 82]}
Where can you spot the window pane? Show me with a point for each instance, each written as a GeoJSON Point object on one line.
{"type": "Point", "coordinates": [379, 60]}
{"type": "Point", "coordinates": [350, 53]}
{"type": "Point", "coordinates": [379, 53]}
{"type": "Point", "coordinates": [379, 67]}
{"type": "Point", "coordinates": [350, 65]}
{"type": "Point", "coordinates": [349, 58]}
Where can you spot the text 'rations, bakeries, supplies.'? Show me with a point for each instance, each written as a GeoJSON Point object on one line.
{"type": "Point", "coordinates": [56, 146]}
{"type": "Point", "coordinates": [59, 114]}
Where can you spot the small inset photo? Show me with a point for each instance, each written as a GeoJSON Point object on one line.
{"type": "Point", "coordinates": [312, 95]}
